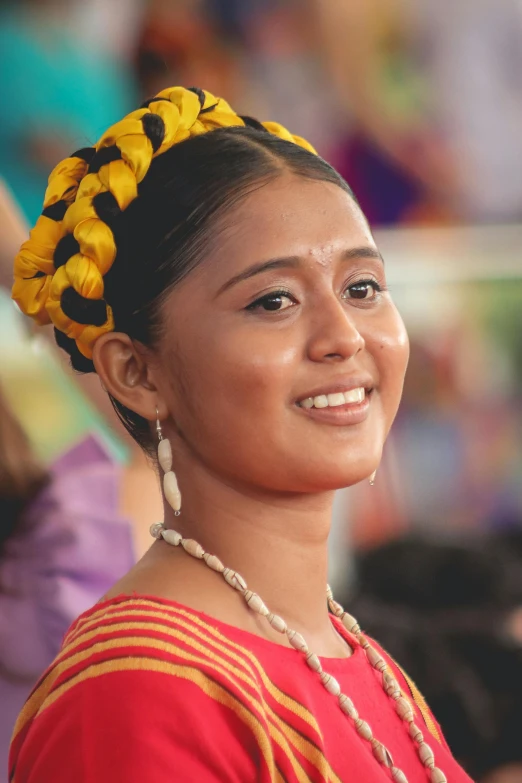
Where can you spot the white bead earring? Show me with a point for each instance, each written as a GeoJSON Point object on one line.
{"type": "Point", "coordinates": [170, 482]}
{"type": "Point", "coordinates": [371, 480]}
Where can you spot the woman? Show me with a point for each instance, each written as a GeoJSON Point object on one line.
{"type": "Point", "coordinates": [223, 283]}
{"type": "Point", "coordinates": [55, 526]}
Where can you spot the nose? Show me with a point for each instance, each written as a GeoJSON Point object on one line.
{"type": "Point", "coordinates": [334, 334]}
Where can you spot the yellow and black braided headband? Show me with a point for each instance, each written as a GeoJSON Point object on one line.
{"type": "Point", "coordinates": [71, 248]}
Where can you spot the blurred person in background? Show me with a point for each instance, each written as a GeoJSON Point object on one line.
{"type": "Point", "coordinates": [112, 28]}
{"type": "Point", "coordinates": [78, 393]}
{"type": "Point", "coordinates": [263, 55]}
{"type": "Point", "coordinates": [399, 94]}
{"type": "Point", "coordinates": [450, 613]}
{"type": "Point", "coordinates": [62, 545]}
{"type": "Point", "coordinates": [435, 90]}
{"type": "Point", "coordinates": [57, 93]}
{"type": "Point", "coordinates": [249, 343]}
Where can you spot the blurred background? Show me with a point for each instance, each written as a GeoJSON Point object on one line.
{"type": "Point", "coordinates": [419, 105]}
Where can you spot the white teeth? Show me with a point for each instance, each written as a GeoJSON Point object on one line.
{"type": "Point", "coordinates": [355, 395]}
{"type": "Point", "coordinates": [334, 400]}
{"type": "Point", "coordinates": [321, 401]}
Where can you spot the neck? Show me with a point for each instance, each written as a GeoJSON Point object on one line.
{"type": "Point", "coordinates": [278, 543]}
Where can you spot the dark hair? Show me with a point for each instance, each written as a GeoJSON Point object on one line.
{"type": "Point", "coordinates": [442, 610]}
{"type": "Point", "coordinates": [163, 234]}
{"type": "Point", "coordinates": [21, 476]}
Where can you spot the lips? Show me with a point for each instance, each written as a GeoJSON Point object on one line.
{"type": "Point", "coordinates": [344, 402]}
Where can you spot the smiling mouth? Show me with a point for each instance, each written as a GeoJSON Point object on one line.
{"type": "Point", "coordinates": [351, 397]}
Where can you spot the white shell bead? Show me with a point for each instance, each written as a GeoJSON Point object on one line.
{"type": "Point", "coordinates": [165, 455]}
{"type": "Point", "coordinates": [192, 547]}
{"type": "Point", "coordinates": [438, 776]}
{"type": "Point", "coordinates": [374, 657]}
{"type": "Point", "coordinates": [234, 579]}
{"type": "Point", "coordinates": [255, 603]}
{"type": "Point", "coordinates": [398, 775]}
{"type": "Point", "coordinates": [313, 662]}
{"type": "Point", "coordinates": [172, 537]}
{"type": "Point", "coordinates": [297, 641]}
{"type": "Point", "coordinates": [363, 729]}
{"type": "Point", "coordinates": [381, 753]}
{"type": "Point", "coordinates": [347, 706]}
{"type": "Point", "coordinates": [350, 623]}
{"type": "Point", "coordinates": [426, 754]}
{"type": "Point", "coordinates": [415, 733]}
{"type": "Point", "coordinates": [391, 686]}
{"type": "Point", "coordinates": [277, 623]}
{"type": "Point", "coordinates": [171, 490]}
{"type": "Point", "coordinates": [213, 562]}
{"type": "Point", "coordinates": [331, 684]}
{"type": "Point", "coordinates": [155, 529]}
{"type": "Point", "coordinates": [404, 709]}
{"type": "Point", "coordinates": [336, 608]}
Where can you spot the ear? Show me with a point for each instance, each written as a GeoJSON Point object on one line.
{"type": "Point", "coordinates": [126, 370]}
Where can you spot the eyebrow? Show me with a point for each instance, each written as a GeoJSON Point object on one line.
{"type": "Point", "coordinates": [292, 262]}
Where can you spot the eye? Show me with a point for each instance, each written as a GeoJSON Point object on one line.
{"type": "Point", "coordinates": [364, 289]}
{"type": "Point", "coordinates": [273, 302]}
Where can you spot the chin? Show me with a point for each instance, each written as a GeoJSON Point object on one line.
{"type": "Point", "coordinates": [349, 479]}
{"type": "Point", "coordinates": [328, 477]}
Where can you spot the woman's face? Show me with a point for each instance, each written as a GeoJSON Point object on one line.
{"type": "Point", "coordinates": [288, 307]}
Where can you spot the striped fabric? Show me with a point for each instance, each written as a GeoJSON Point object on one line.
{"type": "Point", "coordinates": [149, 690]}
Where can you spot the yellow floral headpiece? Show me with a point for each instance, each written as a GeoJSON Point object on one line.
{"type": "Point", "coordinates": [72, 247]}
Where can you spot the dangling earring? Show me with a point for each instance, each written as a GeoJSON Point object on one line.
{"type": "Point", "coordinates": [170, 482]}
{"type": "Point", "coordinates": [371, 480]}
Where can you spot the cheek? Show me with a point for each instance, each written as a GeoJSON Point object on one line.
{"type": "Point", "coordinates": [234, 380]}
{"type": "Point", "coordinates": [388, 343]}
{"type": "Point", "coordinates": [254, 367]}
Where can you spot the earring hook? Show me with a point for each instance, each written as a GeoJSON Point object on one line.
{"type": "Point", "coordinates": [158, 426]}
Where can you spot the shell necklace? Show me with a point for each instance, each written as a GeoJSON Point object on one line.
{"type": "Point", "coordinates": [388, 681]}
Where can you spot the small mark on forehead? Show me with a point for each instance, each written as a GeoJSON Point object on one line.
{"type": "Point", "coordinates": [322, 255]}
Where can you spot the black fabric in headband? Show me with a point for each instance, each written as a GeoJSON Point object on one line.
{"type": "Point", "coordinates": [199, 92]}
{"type": "Point", "coordinates": [80, 362]}
{"type": "Point", "coordinates": [103, 156]}
{"type": "Point", "coordinates": [146, 104]}
{"type": "Point", "coordinates": [154, 128]}
{"type": "Point", "coordinates": [201, 97]}
{"type": "Point", "coordinates": [86, 154]}
{"type": "Point", "coordinates": [56, 211]}
{"type": "Point", "coordinates": [251, 122]}
{"type": "Point", "coordinates": [66, 247]}
{"type": "Point", "coordinates": [107, 208]}
{"type": "Point", "coordinates": [83, 311]}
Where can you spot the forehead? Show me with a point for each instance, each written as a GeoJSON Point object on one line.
{"type": "Point", "coordinates": [291, 216]}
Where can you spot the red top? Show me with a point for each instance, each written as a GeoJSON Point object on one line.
{"type": "Point", "coordinates": [149, 691]}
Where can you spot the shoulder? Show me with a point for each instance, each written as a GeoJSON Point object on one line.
{"type": "Point", "coordinates": [138, 667]}
{"type": "Point", "coordinates": [155, 637]}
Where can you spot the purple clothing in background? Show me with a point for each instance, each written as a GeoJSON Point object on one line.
{"type": "Point", "coordinates": [72, 547]}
